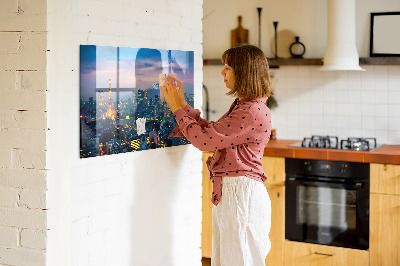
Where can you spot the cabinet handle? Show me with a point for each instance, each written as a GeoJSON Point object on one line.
{"type": "Point", "coordinates": [324, 254]}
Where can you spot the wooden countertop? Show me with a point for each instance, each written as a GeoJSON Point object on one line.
{"type": "Point", "coordinates": [389, 154]}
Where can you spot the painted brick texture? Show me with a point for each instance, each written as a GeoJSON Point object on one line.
{"type": "Point", "coordinates": [106, 211]}
{"type": "Point", "coordinates": [141, 208]}
{"type": "Point", "coordinates": [23, 125]}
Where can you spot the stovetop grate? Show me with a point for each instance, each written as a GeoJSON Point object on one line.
{"type": "Point", "coordinates": [332, 142]}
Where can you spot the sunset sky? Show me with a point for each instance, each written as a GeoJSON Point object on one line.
{"type": "Point", "coordinates": [139, 68]}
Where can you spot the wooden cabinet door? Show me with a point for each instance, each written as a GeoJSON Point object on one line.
{"type": "Point", "coordinates": [277, 233]}
{"type": "Point", "coordinates": [304, 254]}
{"type": "Point", "coordinates": [384, 237]}
{"type": "Point", "coordinates": [206, 225]}
{"type": "Point", "coordinates": [385, 178]}
{"type": "Point", "coordinates": [274, 168]}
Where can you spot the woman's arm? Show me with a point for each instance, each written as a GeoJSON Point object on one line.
{"type": "Point", "coordinates": [174, 93]}
{"type": "Point", "coordinates": [236, 129]}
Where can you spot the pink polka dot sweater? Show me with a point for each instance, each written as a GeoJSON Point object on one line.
{"type": "Point", "coordinates": [238, 139]}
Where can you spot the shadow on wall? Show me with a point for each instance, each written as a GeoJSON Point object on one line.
{"type": "Point", "coordinates": [152, 221]}
{"type": "Point", "coordinates": [156, 189]}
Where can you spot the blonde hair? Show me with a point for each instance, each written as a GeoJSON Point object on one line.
{"type": "Point", "coordinates": [250, 66]}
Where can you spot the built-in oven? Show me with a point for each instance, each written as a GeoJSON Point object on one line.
{"type": "Point", "coordinates": [327, 202]}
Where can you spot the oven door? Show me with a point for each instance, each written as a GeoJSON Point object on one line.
{"type": "Point", "coordinates": [327, 213]}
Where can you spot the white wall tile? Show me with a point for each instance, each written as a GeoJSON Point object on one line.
{"type": "Point", "coordinates": [292, 82]}
{"type": "Point", "coordinates": [394, 82]}
{"type": "Point", "coordinates": [367, 96]}
{"type": "Point", "coordinates": [355, 96]}
{"type": "Point", "coordinates": [329, 109]}
{"type": "Point", "coordinates": [394, 123]}
{"type": "Point", "coordinates": [303, 82]}
{"type": "Point", "coordinates": [342, 122]}
{"type": "Point", "coordinates": [368, 123]}
{"type": "Point", "coordinates": [355, 132]}
{"type": "Point", "coordinates": [380, 71]}
{"type": "Point", "coordinates": [394, 110]}
{"type": "Point", "coordinates": [394, 97]}
{"type": "Point", "coordinates": [351, 102]}
{"type": "Point", "coordinates": [342, 109]}
{"type": "Point", "coordinates": [381, 122]}
{"type": "Point", "coordinates": [381, 110]}
{"type": "Point", "coordinates": [381, 97]}
{"type": "Point", "coordinates": [291, 71]}
{"type": "Point", "coordinates": [342, 96]}
{"type": "Point", "coordinates": [342, 80]}
{"type": "Point", "coordinates": [381, 83]}
{"type": "Point", "coordinates": [394, 137]}
{"type": "Point", "coordinates": [367, 110]}
{"type": "Point", "coordinates": [382, 136]}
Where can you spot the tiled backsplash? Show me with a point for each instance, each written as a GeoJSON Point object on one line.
{"type": "Point", "coordinates": [343, 103]}
{"type": "Point", "coordinates": [314, 102]}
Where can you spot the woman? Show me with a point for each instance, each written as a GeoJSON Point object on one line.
{"type": "Point", "coordinates": [242, 211]}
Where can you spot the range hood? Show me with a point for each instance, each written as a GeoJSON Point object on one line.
{"type": "Point", "coordinates": [341, 51]}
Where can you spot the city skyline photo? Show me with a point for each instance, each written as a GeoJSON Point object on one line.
{"type": "Point", "coordinates": [121, 109]}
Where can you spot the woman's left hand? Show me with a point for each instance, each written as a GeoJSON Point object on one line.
{"type": "Point", "coordinates": [170, 90]}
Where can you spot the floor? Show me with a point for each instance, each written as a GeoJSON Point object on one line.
{"type": "Point", "coordinates": [206, 261]}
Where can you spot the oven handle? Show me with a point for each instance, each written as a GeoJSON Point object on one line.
{"type": "Point", "coordinates": [357, 185]}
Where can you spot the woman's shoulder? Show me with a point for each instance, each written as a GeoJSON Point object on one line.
{"type": "Point", "coordinates": [259, 109]}
{"type": "Point", "coordinates": [256, 104]}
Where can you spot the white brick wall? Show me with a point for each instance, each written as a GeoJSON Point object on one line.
{"type": "Point", "coordinates": [100, 209]}
{"type": "Point", "coordinates": [23, 132]}
{"type": "Point", "coordinates": [34, 239]}
{"type": "Point", "coordinates": [140, 208]}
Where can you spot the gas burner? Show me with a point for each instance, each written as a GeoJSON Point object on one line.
{"type": "Point", "coordinates": [358, 144]}
{"type": "Point", "coordinates": [327, 142]}
{"type": "Point", "coordinates": [332, 142]}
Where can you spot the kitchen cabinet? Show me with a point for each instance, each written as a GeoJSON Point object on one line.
{"type": "Point", "coordinates": [305, 254]}
{"type": "Point", "coordinates": [385, 178]}
{"type": "Point", "coordinates": [274, 168]}
{"type": "Point", "coordinates": [385, 215]}
{"type": "Point", "coordinates": [206, 225]}
{"type": "Point", "coordinates": [384, 221]}
{"type": "Point", "coordinates": [277, 233]}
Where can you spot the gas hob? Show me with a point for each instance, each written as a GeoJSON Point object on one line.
{"type": "Point", "coordinates": [332, 142]}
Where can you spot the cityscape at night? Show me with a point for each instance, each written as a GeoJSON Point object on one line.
{"type": "Point", "coordinates": [126, 113]}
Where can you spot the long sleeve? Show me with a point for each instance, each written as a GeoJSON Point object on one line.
{"type": "Point", "coordinates": [231, 130]}
{"type": "Point", "coordinates": [193, 113]}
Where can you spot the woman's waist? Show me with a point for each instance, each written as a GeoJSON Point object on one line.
{"type": "Point", "coordinates": [236, 169]}
{"type": "Point", "coordinates": [260, 176]}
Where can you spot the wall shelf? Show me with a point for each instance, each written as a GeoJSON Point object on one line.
{"type": "Point", "coordinates": [274, 63]}
{"type": "Point", "coordinates": [380, 61]}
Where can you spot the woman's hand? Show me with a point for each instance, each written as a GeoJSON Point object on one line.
{"type": "Point", "coordinates": [174, 93]}
{"type": "Point", "coordinates": [180, 88]}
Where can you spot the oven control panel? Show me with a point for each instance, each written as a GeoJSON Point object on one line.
{"type": "Point", "coordinates": [338, 169]}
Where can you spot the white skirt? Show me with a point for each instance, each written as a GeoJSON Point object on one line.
{"type": "Point", "coordinates": [241, 223]}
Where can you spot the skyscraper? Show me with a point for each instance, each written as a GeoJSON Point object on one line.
{"type": "Point", "coordinates": [110, 111]}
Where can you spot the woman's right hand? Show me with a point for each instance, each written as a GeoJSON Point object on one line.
{"type": "Point", "coordinates": [181, 91]}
